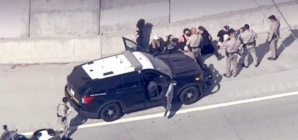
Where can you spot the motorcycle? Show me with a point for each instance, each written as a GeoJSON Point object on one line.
{"type": "Point", "coordinates": [41, 134]}
{"type": "Point", "coordinates": [45, 134]}
{"type": "Point", "coordinates": [11, 135]}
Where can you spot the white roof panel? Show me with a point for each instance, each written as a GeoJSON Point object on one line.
{"type": "Point", "coordinates": [115, 65]}
{"type": "Point", "coordinates": [146, 63]}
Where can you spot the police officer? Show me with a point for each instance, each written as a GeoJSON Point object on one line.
{"type": "Point", "coordinates": [140, 26]}
{"type": "Point", "coordinates": [220, 35]}
{"type": "Point", "coordinates": [273, 36]}
{"type": "Point", "coordinates": [63, 112]}
{"type": "Point", "coordinates": [231, 45]}
{"type": "Point", "coordinates": [242, 29]}
{"type": "Point", "coordinates": [5, 135]}
{"type": "Point", "coordinates": [194, 42]}
{"type": "Point", "coordinates": [249, 38]}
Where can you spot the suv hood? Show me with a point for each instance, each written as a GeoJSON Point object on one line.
{"type": "Point", "coordinates": [181, 64]}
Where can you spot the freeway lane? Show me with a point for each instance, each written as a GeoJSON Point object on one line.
{"type": "Point", "coordinates": [29, 95]}
{"type": "Point", "coordinates": [274, 119]}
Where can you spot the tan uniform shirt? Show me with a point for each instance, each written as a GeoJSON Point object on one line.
{"type": "Point", "coordinates": [248, 36]}
{"type": "Point", "coordinates": [232, 45]}
{"type": "Point", "coordinates": [194, 40]}
{"type": "Point", "coordinates": [255, 34]}
{"type": "Point", "coordinates": [63, 110]}
{"type": "Point", "coordinates": [274, 28]}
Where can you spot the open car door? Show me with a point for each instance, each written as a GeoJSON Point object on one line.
{"type": "Point", "coordinates": [169, 98]}
{"type": "Point", "coordinates": [132, 45]}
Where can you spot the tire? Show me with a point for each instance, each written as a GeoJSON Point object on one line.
{"type": "Point", "coordinates": [115, 114]}
{"type": "Point", "coordinates": [189, 95]}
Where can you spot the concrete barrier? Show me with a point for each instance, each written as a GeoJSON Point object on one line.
{"type": "Point", "coordinates": [214, 23]}
{"type": "Point", "coordinates": [253, 17]}
{"type": "Point", "coordinates": [50, 50]}
{"type": "Point", "coordinates": [79, 49]}
{"type": "Point", "coordinates": [122, 15]}
{"type": "Point", "coordinates": [190, 9]}
{"type": "Point", "coordinates": [58, 18]}
{"type": "Point", "coordinates": [14, 15]}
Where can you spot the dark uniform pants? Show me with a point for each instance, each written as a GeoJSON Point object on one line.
{"type": "Point", "coordinates": [231, 61]}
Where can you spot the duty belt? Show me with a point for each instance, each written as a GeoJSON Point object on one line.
{"type": "Point", "coordinates": [231, 53]}
{"type": "Point", "coordinates": [275, 36]}
{"type": "Point", "coordinates": [250, 43]}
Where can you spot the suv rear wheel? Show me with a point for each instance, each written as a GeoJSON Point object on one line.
{"type": "Point", "coordinates": [111, 112]}
{"type": "Point", "coordinates": [189, 95]}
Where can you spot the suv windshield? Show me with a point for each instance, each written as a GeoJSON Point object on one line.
{"type": "Point", "coordinates": [159, 65]}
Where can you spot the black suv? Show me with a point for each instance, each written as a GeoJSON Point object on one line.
{"type": "Point", "coordinates": [134, 80]}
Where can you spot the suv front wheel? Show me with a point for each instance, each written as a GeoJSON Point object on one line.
{"type": "Point", "coordinates": [189, 95]}
{"type": "Point", "coordinates": [111, 112]}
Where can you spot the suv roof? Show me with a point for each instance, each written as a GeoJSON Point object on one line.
{"type": "Point", "coordinates": [116, 65]}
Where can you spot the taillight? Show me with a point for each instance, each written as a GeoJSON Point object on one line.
{"type": "Point", "coordinates": [87, 100]}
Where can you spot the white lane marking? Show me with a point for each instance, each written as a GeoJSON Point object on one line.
{"type": "Point", "coordinates": [183, 111]}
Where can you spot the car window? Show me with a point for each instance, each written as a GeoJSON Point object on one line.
{"type": "Point", "coordinates": [130, 81]}
{"type": "Point", "coordinates": [131, 44]}
{"type": "Point", "coordinates": [106, 85]}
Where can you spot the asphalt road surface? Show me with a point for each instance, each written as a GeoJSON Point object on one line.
{"type": "Point", "coordinates": [30, 94]}
{"type": "Point", "coordinates": [274, 119]}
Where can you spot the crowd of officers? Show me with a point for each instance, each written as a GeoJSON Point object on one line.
{"type": "Point", "coordinates": [196, 42]}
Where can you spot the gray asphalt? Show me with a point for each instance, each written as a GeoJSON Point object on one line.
{"type": "Point", "coordinates": [30, 94]}
{"type": "Point", "coordinates": [274, 119]}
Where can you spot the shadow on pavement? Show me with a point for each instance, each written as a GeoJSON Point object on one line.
{"type": "Point", "coordinates": [261, 51]}
{"type": "Point", "coordinates": [66, 139]}
{"type": "Point", "coordinates": [176, 105]}
{"type": "Point", "coordinates": [287, 42]}
{"type": "Point", "coordinates": [205, 57]}
{"type": "Point", "coordinates": [239, 64]}
{"type": "Point", "coordinates": [213, 88]}
{"type": "Point", "coordinates": [264, 48]}
{"type": "Point", "coordinates": [215, 85]}
{"type": "Point", "coordinates": [75, 122]}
